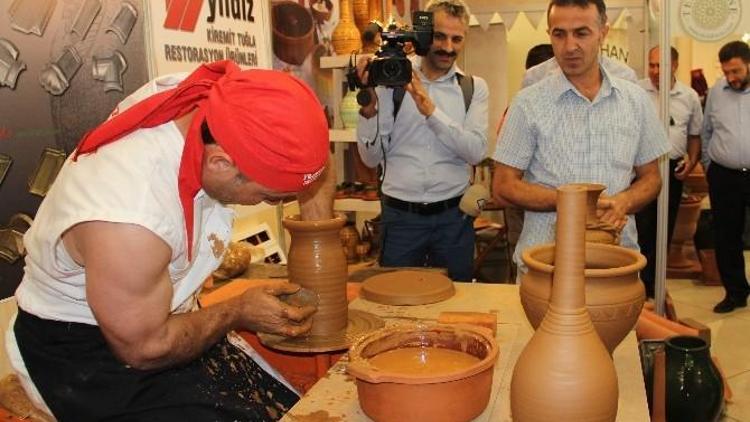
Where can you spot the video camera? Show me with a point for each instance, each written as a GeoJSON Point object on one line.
{"type": "Point", "coordinates": [391, 67]}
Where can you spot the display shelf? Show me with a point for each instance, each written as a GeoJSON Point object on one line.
{"type": "Point", "coordinates": [343, 135]}
{"type": "Point", "coordinates": [337, 62]}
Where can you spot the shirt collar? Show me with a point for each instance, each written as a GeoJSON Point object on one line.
{"type": "Point", "coordinates": [562, 85]}
{"type": "Point", "coordinates": [725, 86]}
{"type": "Point", "coordinates": [416, 62]}
{"type": "Point", "coordinates": [676, 89]}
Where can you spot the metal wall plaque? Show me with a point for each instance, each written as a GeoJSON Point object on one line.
{"type": "Point", "coordinates": [5, 162]}
{"type": "Point", "coordinates": [85, 17]}
{"type": "Point", "coordinates": [11, 237]}
{"type": "Point", "coordinates": [31, 16]}
{"type": "Point", "coordinates": [46, 171]}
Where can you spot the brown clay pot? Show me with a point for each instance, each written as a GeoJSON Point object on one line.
{"type": "Point", "coordinates": [349, 241]}
{"type": "Point", "coordinates": [292, 32]}
{"type": "Point", "coordinates": [596, 231]}
{"type": "Point", "coordinates": [614, 293]}
{"type": "Point", "coordinates": [317, 262]}
{"type": "Point", "coordinates": [361, 13]}
{"type": "Point", "coordinates": [565, 373]}
{"type": "Point", "coordinates": [460, 395]}
{"type": "Point", "coordinates": [684, 230]}
{"type": "Point", "coordinates": [346, 36]}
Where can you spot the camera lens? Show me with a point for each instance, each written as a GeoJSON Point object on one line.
{"type": "Point", "coordinates": [391, 69]}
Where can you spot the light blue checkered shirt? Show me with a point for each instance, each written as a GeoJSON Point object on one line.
{"type": "Point", "coordinates": [557, 136]}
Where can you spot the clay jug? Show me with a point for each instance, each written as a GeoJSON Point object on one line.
{"type": "Point", "coordinates": [597, 231]}
{"type": "Point", "coordinates": [316, 261]}
{"type": "Point", "coordinates": [564, 372]}
{"type": "Point", "coordinates": [375, 9]}
{"type": "Point", "coordinates": [349, 241]}
{"type": "Point", "coordinates": [694, 390]}
{"type": "Point", "coordinates": [346, 37]}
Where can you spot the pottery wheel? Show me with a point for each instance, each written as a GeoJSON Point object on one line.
{"type": "Point", "coordinates": [407, 288]}
{"type": "Point", "coordinates": [359, 324]}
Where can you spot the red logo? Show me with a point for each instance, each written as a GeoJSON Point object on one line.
{"type": "Point", "coordinates": [182, 14]}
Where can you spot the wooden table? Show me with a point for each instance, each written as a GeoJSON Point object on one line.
{"type": "Point", "coordinates": [334, 397]}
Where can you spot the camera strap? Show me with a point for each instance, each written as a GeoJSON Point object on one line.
{"type": "Point", "coordinates": [466, 82]}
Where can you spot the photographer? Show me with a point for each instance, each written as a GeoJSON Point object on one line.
{"type": "Point", "coordinates": [427, 146]}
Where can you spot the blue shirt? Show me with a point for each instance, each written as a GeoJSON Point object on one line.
{"type": "Point", "coordinates": [427, 160]}
{"type": "Point", "coordinates": [726, 127]}
{"type": "Point", "coordinates": [557, 136]}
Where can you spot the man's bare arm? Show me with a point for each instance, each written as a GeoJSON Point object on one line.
{"type": "Point", "coordinates": [508, 187]}
{"type": "Point", "coordinates": [316, 202]}
{"type": "Point", "coordinates": [130, 294]}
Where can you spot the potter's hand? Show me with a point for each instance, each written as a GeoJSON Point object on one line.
{"type": "Point", "coordinates": [263, 311]}
{"type": "Point", "coordinates": [419, 94]}
{"type": "Point", "coordinates": [612, 210]}
{"type": "Point", "coordinates": [370, 110]}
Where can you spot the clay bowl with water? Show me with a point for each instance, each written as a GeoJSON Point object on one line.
{"type": "Point", "coordinates": [424, 373]}
{"type": "Point", "coordinates": [614, 292]}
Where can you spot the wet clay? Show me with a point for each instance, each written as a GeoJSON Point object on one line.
{"type": "Point", "coordinates": [422, 360]}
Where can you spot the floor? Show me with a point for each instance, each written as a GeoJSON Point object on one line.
{"type": "Point", "coordinates": [730, 334]}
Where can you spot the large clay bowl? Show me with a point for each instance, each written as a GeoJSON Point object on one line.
{"type": "Point", "coordinates": [455, 396]}
{"type": "Point", "coordinates": [614, 293]}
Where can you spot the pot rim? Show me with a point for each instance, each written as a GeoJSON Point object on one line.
{"type": "Point", "coordinates": [293, 222]}
{"type": "Point", "coordinates": [674, 340]}
{"type": "Point", "coordinates": [361, 369]}
{"type": "Point", "coordinates": [639, 261]}
{"type": "Point", "coordinates": [290, 3]}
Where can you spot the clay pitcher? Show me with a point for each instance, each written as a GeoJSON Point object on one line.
{"type": "Point", "coordinates": [346, 36]}
{"type": "Point", "coordinates": [565, 373]}
{"type": "Point", "coordinates": [317, 262]}
{"type": "Point", "coordinates": [292, 32]}
{"type": "Point", "coordinates": [597, 231]}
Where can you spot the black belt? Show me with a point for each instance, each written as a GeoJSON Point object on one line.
{"type": "Point", "coordinates": [745, 171]}
{"type": "Point", "coordinates": [422, 208]}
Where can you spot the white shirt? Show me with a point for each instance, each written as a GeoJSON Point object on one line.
{"type": "Point", "coordinates": [685, 112]}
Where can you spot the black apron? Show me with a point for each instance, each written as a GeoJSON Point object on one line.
{"type": "Point", "coordinates": [81, 380]}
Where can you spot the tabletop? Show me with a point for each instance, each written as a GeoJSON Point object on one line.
{"type": "Point", "coordinates": [334, 397]}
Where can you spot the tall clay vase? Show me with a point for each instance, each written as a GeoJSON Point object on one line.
{"type": "Point", "coordinates": [346, 36]}
{"type": "Point", "coordinates": [565, 373]}
{"type": "Point", "coordinates": [316, 261]}
{"type": "Point", "coordinates": [694, 390]}
{"type": "Point", "coordinates": [361, 13]}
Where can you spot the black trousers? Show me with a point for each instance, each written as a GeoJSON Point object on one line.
{"type": "Point", "coordinates": [645, 221]}
{"type": "Point", "coordinates": [729, 191]}
{"type": "Point", "coordinates": [81, 380]}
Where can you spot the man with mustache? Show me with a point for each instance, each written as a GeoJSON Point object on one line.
{"type": "Point", "coordinates": [582, 125]}
{"type": "Point", "coordinates": [726, 136]}
{"type": "Point", "coordinates": [427, 149]}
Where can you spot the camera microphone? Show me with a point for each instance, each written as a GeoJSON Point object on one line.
{"type": "Point", "coordinates": [474, 200]}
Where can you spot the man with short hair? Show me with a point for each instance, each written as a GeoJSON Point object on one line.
{"type": "Point", "coordinates": [726, 156]}
{"type": "Point", "coordinates": [685, 124]}
{"type": "Point", "coordinates": [582, 125]}
{"type": "Point", "coordinates": [426, 149]}
{"type": "Point", "coordinates": [108, 326]}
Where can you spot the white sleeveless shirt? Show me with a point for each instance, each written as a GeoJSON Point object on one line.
{"type": "Point", "coordinates": [132, 180]}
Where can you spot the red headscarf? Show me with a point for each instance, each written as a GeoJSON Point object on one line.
{"type": "Point", "coordinates": [270, 123]}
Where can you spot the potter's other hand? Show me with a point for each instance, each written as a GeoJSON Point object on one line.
{"type": "Point", "coordinates": [419, 94]}
{"type": "Point", "coordinates": [262, 311]}
{"type": "Point", "coordinates": [613, 210]}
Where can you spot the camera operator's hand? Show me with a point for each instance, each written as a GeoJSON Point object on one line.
{"type": "Point", "coordinates": [419, 94]}
{"type": "Point", "coordinates": [369, 111]}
